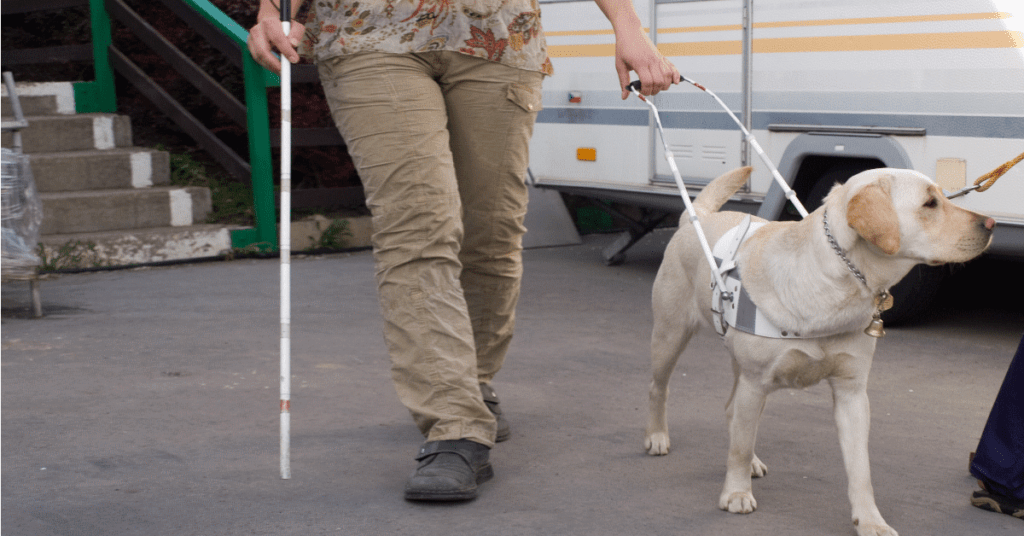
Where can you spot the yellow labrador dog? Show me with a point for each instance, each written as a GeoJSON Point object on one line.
{"type": "Point", "coordinates": [818, 281]}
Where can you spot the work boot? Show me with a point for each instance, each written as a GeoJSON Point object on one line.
{"type": "Point", "coordinates": [449, 471]}
{"type": "Point", "coordinates": [493, 404]}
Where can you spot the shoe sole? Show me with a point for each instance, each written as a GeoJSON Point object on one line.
{"type": "Point", "coordinates": [483, 475]}
{"type": "Point", "coordinates": [992, 505]}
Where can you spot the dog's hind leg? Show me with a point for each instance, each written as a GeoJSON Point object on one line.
{"type": "Point", "coordinates": [666, 348]}
{"type": "Point", "coordinates": [673, 329]}
{"type": "Point", "coordinates": [743, 413]}
{"type": "Point", "coordinates": [853, 420]}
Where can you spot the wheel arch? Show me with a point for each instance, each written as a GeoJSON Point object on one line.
{"type": "Point", "coordinates": [852, 147]}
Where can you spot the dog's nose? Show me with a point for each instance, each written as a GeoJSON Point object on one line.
{"type": "Point", "coordinates": [990, 224]}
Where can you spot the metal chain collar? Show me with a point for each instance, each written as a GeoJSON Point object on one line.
{"type": "Point", "coordinates": [835, 245]}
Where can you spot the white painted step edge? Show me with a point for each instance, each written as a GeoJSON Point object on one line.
{"type": "Point", "coordinates": [64, 93]}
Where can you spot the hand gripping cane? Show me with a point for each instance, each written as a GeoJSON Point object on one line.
{"type": "Point", "coordinates": [285, 245]}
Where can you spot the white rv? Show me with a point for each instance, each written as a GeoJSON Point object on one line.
{"type": "Point", "coordinates": [828, 88]}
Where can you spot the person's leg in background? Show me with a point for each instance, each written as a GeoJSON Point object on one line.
{"type": "Point", "coordinates": [999, 460]}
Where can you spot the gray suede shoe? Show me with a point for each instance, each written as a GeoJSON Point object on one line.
{"type": "Point", "coordinates": [449, 471]}
{"type": "Point", "coordinates": [493, 404]}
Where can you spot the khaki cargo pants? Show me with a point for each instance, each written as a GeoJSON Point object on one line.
{"type": "Point", "coordinates": [440, 140]}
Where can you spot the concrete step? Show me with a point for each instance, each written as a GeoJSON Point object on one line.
{"type": "Point", "coordinates": [80, 132]}
{"type": "Point", "coordinates": [139, 246]}
{"type": "Point", "coordinates": [98, 170]}
{"type": "Point", "coordinates": [105, 202]}
{"type": "Point", "coordinates": [41, 98]}
{"type": "Point", "coordinates": [111, 210]}
{"type": "Point", "coordinates": [30, 105]}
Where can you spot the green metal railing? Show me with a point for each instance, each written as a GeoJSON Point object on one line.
{"type": "Point", "coordinates": [99, 96]}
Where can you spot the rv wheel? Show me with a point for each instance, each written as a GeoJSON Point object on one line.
{"type": "Point", "coordinates": [914, 294]}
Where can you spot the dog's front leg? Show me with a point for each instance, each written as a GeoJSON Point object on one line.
{"type": "Point", "coordinates": [743, 413]}
{"type": "Point", "coordinates": [853, 419]}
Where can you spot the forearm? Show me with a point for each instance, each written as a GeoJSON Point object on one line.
{"type": "Point", "coordinates": [634, 50]}
{"type": "Point", "coordinates": [620, 13]}
{"type": "Point", "coordinates": [272, 9]}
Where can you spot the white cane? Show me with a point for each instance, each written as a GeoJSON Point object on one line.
{"type": "Point", "coordinates": [285, 244]}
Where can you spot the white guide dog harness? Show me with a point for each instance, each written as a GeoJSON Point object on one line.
{"type": "Point", "coordinates": [740, 312]}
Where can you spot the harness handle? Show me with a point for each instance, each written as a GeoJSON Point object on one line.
{"type": "Point", "coordinates": [715, 271]}
{"type": "Point", "coordinates": [789, 193]}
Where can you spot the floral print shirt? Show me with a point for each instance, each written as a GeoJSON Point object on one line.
{"type": "Point", "coordinates": [505, 31]}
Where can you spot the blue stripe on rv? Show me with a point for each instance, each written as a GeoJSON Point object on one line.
{"type": "Point", "coordinates": [935, 125]}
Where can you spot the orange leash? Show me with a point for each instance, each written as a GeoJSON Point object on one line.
{"type": "Point", "coordinates": [986, 181]}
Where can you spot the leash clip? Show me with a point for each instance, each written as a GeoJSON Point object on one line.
{"type": "Point", "coordinates": [961, 192]}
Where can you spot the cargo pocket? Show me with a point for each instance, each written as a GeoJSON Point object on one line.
{"type": "Point", "coordinates": [525, 97]}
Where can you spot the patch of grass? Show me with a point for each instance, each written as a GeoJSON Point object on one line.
{"type": "Point", "coordinates": [257, 250]}
{"type": "Point", "coordinates": [335, 236]}
{"type": "Point", "coordinates": [232, 200]}
{"type": "Point", "coordinates": [70, 255]}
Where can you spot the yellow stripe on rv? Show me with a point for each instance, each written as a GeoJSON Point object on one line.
{"type": "Point", "coordinates": [805, 23]}
{"type": "Point", "coordinates": [838, 43]}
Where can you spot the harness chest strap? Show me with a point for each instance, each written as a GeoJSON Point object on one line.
{"type": "Point", "coordinates": [741, 312]}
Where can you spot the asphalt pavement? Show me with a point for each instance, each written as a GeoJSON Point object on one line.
{"type": "Point", "coordinates": [146, 402]}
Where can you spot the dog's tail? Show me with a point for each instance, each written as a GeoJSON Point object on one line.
{"type": "Point", "coordinates": [715, 194]}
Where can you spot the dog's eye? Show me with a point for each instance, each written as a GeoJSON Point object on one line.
{"type": "Point", "coordinates": [932, 203]}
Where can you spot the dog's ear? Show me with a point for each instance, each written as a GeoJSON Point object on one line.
{"type": "Point", "coordinates": [872, 214]}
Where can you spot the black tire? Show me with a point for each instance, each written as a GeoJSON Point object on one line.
{"type": "Point", "coordinates": [837, 174]}
{"type": "Point", "coordinates": [914, 294]}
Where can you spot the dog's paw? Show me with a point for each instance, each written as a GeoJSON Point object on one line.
{"type": "Point", "coordinates": [872, 529]}
{"type": "Point", "coordinates": [757, 468]}
{"type": "Point", "coordinates": [737, 502]}
{"type": "Point", "coordinates": [657, 444]}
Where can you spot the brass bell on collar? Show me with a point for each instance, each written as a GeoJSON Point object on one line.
{"type": "Point", "coordinates": [874, 329]}
{"type": "Point", "coordinates": [883, 302]}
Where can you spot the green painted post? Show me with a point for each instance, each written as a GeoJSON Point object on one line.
{"type": "Point", "coordinates": [98, 95]}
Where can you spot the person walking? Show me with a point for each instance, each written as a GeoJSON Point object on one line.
{"type": "Point", "coordinates": [998, 462]}
{"type": "Point", "coordinates": [436, 101]}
